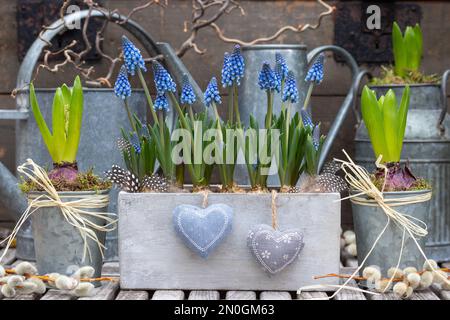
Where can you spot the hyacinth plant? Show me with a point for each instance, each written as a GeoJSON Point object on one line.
{"type": "Point", "coordinates": [386, 123]}
{"type": "Point", "coordinates": [62, 143]}
{"type": "Point", "coordinates": [407, 49]}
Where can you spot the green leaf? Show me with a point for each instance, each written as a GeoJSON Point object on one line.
{"type": "Point", "coordinates": [67, 96]}
{"type": "Point", "coordinates": [75, 118]}
{"type": "Point", "coordinates": [399, 50]}
{"type": "Point", "coordinates": [373, 119]}
{"type": "Point", "coordinates": [42, 125]}
{"type": "Point", "coordinates": [391, 123]}
{"type": "Point", "coordinates": [402, 117]}
{"type": "Point", "coordinates": [411, 47]}
{"type": "Point", "coordinates": [419, 40]}
{"type": "Point", "coordinates": [59, 125]}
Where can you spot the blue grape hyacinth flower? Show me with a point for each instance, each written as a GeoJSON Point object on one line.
{"type": "Point", "coordinates": [281, 68]}
{"type": "Point", "coordinates": [227, 80]}
{"type": "Point", "coordinates": [315, 73]}
{"type": "Point", "coordinates": [135, 142]}
{"type": "Point", "coordinates": [163, 80]}
{"type": "Point", "coordinates": [122, 87]}
{"type": "Point", "coordinates": [290, 91]}
{"type": "Point", "coordinates": [212, 94]}
{"type": "Point", "coordinates": [187, 92]}
{"type": "Point", "coordinates": [132, 56]}
{"type": "Point", "coordinates": [267, 78]}
{"type": "Point", "coordinates": [237, 65]}
{"type": "Point", "coordinates": [307, 122]}
{"type": "Point", "coordinates": [161, 102]}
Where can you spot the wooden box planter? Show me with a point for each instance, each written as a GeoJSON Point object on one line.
{"type": "Point", "coordinates": [152, 256]}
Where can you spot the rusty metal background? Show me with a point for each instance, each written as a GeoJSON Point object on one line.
{"type": "Point", "coordinates": [32, 15]}
{"type": "Point", "coordinates": [371, 46]}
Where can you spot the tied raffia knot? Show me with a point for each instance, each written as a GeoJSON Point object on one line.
{"type": "Point", "coordinates": [74, 212]}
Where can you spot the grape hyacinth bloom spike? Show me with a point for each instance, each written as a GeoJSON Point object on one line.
{"type": "Point", "coordinates": [163, 80]}
{"type": "Point", "coordinates": [307, 122]}
{"type": "Point", "coordinates": [267, 79]}
{"type": "Point", "coordinates": [290, 91]}
{"type": "Point", "coordinates": [122, 87]}
{"type": "Point", "coordinates": [161, 102]}
{"type": "Point", "coordinates": [212, 94]}
{"type": "Point", "coordinates": [281, 68]}
{"type": "Point", "coordinates": [134, 140]}
{"type": "Point", "coordinates": [132, 56]}
{"type": "Point", "coordinates": [315, 73]}
{"type": "Point", "coordinates": [227, 80]}
{"type": "Point", "coordinates": [237, 65]}
{"type": "Point", "coordinates": [316, 137]}
{"type": "Point", "coordinates": [187, 92]}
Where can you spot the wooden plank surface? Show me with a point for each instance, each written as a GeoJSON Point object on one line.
{"type": "Point", "coordinates": [442, 294]}
{"type": "Point", "coordinates": [110, 269]}
{"type": "Point", "coordinates": [132, 295]}
{"type": "Point", "coordinates": [54, 294]}
{"type": "Point", "coordinates": [204, 295]}
{"type": "Point", "coordinates": [383, 296]}
{"type": "Point", "coordinates": [349, 294]}
{"type": "Point", "coordinates": [168, 295]}
{"type": "Point", "coordinates": [33, 296]}
{"type": "Point", "coordinates": [311, 295]}
{"type": "Point", "coordinates": [275, 295]}
{"type": "Point", "coordinates": [424, 295]}
{"type": "Point", "coordinates": [107, 291]}
{"type": "Point", "coordinates": [240, 295]}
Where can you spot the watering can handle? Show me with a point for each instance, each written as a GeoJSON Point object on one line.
{"type": "Point", "coordinates": [350, 99]}
{"type": "Point", "coordinates": [29, 63]}
{"type": "Point", "coordinates": [444, 98]}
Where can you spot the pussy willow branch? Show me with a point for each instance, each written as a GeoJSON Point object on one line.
{"type": "Point", "coordinates": [297, 29]}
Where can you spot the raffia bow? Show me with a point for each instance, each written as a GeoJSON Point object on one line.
{"type": "Point", "coordinates": [74, 212]}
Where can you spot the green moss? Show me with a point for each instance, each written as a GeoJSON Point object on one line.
{"type": "Point", "coordinates": [413, 77]}
{"type": "Point", "coordinates": [85, 181]}
{"type": "Point", "coordinates": [419, 184]}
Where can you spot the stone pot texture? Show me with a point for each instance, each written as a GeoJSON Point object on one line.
{"type": "Point", "coordinates": [369, 222]}
{"type": "Point", "coordinates": [152, 255]}
{"type": "Point", "coordinates": [58, 244]}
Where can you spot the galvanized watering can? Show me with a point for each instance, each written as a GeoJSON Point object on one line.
{"type": "Point", "coordinates": [427, 148]}
{"type": "Point", "coordinates": [103, 117]}
{"type": "Point", "coordinates": [253, 102]}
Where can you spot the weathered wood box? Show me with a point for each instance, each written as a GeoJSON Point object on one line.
{"type": "Point", "coordinates": [152, 256]}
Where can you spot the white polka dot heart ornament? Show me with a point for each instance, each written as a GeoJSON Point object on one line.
{"type": "Point", "coordinates": [274, 249]}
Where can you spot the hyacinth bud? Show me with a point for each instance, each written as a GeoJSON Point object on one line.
{"type": "Point", "coordinates": [281, 68]}
{"type": "Point", "coordinates": [187, 92]}
{"type": "Point", "coordinates": [26, 287]}
{"type": "Point", "coordinates": [290, 91]}
{"type": "Point", "coordinates": [84, 273]}
{"type": "Point", "coordinates": [8, 291]}
{"type": "Point", "coordinates": [395, 272]}
{"type": "Point", "coordinates": [409, 270]}
{"type": "Point", "coordinates": [161, 102]}
{"type": "Point", "coordinates": [132, 56]}
{"type": "Point", "coordinates": [66, 283]}
{"type": "Point", "coordinates": [383, 285]}
{"type": "Point", "coordinates": [40, 285]}
{"type": "Point", "coordinates": [163, 80]}
{"type": "Point", "coordinates": [122, 87]}
{"type": "Point", "coordinates": [400, 289]}
{"type": "Point", "coordinates": [25, 268]}
{"type": "Point", "coordinates": [84, 289]}
{"type": "Point", "coordinates": [2, 271]}
{"type": "Point", "coordinates": [212, 94]}
{"type": "Point", "coordinates": [267, 78]}
{"type": "Point", "coordinates": [430, 265]}
{"type": "Point", "coordinates": [315, 73]}
{"type": "Point", "coordinates": [349, 236]}
{"type": "Point", "coordinates": [426, 279]}
{"type": "Point", "coordinates": [14, 281]}
{"type": "Point", "coordinates": [413, 280]}
{"type": "Point", "coordinates": [351, 249]}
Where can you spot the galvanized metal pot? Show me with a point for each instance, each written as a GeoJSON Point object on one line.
{"type": "Point", "coordinates": [59, 245]}
{"type": "Point", "coordinates": [427, 148]}
{"type": "Point", "coordinates": [369, 222]}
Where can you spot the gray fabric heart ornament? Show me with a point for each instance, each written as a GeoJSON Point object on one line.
{"type": "Point", "coordinates": [202, 230]}
{"type": "Point", "coordinates": [274, 249]}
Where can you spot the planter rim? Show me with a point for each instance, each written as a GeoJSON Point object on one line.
{"type": "Point", "coordinates": [274, 46]}
{"type": "Point", "coordinates": [70, 193]}
{"type": "Point", "coordinates": [389, 193]}
{"type": "Point", "coordinates": [396, 85]}
{"type": "Point", "coordinates": [232, 194]}
{"type": "Point", "coordinates": [108, 90]}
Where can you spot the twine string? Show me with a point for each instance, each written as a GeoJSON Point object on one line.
{"type": "Point", "coordinates": [274, 210]}
{"type": "Point", "coordinates": [73, 211]}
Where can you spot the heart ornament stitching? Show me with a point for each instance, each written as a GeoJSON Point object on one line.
{"type": "Point", "coordinates": [274, 249]}
{"type": "Point", "coordinates": [202, 230]}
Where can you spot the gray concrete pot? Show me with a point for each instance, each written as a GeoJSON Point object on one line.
{"type": "Point", "coordinates": [369, 221]}
{"type": "Point", "coordinates": [58, 244]}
